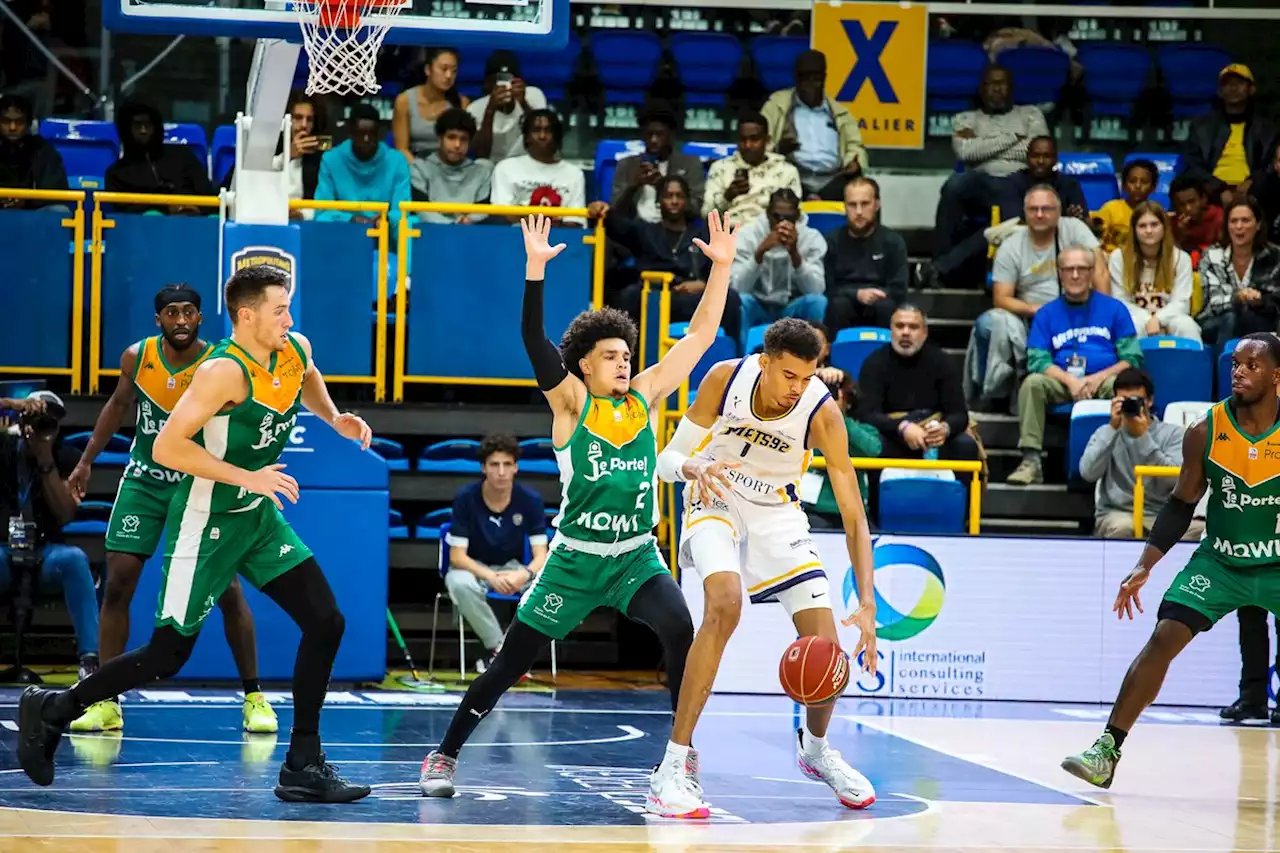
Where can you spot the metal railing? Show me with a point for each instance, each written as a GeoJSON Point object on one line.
{"type": "Point", "coordinates": [958, 466]}
{"type": "Point", "coordinates": [1140, 491]}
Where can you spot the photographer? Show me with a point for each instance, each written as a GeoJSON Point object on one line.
{"type": "Point", "coordinates": [35, 503]}
{"type": "Point", "coordinates": [1134, 437]}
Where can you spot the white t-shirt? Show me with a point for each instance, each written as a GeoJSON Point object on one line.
{"type": "Point", "coordinates": [508, 141]}
{"type": "Point", "coordinates": [523, 180]}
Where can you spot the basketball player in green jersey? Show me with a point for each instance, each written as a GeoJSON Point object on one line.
{"type": "Point", "coordinates": [154, 374]}
{"type": "Point", "coordinates": [604, 553]}
{"type": "Point", "coordinates": [225, 435]}
{"type": "Point", "coordinates": [1234, 451]}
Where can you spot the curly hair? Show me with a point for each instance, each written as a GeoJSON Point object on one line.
{"type": "Point", "coordinates": [794, 336]}
{"type": "Point", "coordinates": [498, 442]}
{"type": "Point", "coordinates": [590, 327]}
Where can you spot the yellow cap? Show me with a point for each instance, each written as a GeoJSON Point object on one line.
{"type": "Point", "coordinates": [1237, 68]}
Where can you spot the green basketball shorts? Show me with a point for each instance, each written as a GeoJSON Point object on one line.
{"type": "Point", "coordinates": [138, 516]}
{"type": "Point", "coordinates": [573, 583]}
{"type": "Point", "coordinates": [1213, 589]}
{"type": "Point", "coordinates": [205, 551]}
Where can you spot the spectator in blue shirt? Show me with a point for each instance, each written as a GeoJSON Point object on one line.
{"type": "Point", "coordinates": [364, 168]}
{"type": "Point", "coordinates": [491, 521]}
{"type": "Point", "coordinates": [1077, 346]}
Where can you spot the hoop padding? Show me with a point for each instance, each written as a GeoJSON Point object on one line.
{"type": "Point", "coordinates": [342, 39]}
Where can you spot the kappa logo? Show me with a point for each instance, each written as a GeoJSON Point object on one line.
{"type": "Point", "coordinates": [129, 524]}
{"type": "Point", "coordinates": [1222, 436]}
{"type": "Point", "coordinates": [285, 549]}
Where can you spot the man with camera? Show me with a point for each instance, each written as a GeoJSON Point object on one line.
{"type": "Point", "coordinates": [778, 269]}
{"type": "Point", "coordinates": [1135, 436]}
{"type": "Point", "coordinates": [35, 503]}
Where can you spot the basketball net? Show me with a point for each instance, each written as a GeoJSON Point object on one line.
{"type": "Point", "coordinates": [342, 39]}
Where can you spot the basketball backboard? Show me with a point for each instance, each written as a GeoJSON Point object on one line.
{"type": "Point", "coordinates": [526, 25]}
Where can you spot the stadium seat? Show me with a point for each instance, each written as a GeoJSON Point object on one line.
{"type": "Point", "coordinates": [755, 338]}
{"type": "Point", "coordinates": [433, 524]}
{"type": "Point", "coordinates": [852, 346]}
{"type": "Point", "coordinates": [627, 64]}
{"type": "Point", "coordinates": [1115, 76]}
{"type": "Point", "coordinates": [1190, 74]}
{"type": "Point", "coordinates": [455, 456]}
{"type": "Point", "coordinates": [115, 453]}
{"type": "Point", "coordinates": [824, 221]}
{"type": "Point", "coordinates": [91, 518]}
{"type": "Point", "coordinates": [1168, 164]}
{"type": "Point", "coordinates": [775, 59]}
{"type": "Point", "coordinates": [1096, 174]}
{"type": "Point", "coordinates": [471, 73]}
{"type": "Point", "coordinates": [1086, 417]}
{"type": "Point", "coordinates": [1039, 73]}
{"type": "Point", "coordinates": [192, 136]}
{"type": "Point", "coordinates": [86, 147]}
{"type": "Point", "coordinates": [398, 529]}
{"type": "Point", "coordinates": [722, 349]}
{"type": "Point", "coordinates": [707, 64]}
{"type": "Point", "coordinates": [1185, 412]}
{"type": "Point", "coordinates": [709, 152]}
{"type": "Point", "coordinates": [1224, 369]}
{"type": "Point", "coordinates": [224, 152]}
{"type": "Point", "coordinates": [954, 74]}
{"type": "Point", "coordinates": [538, 456]}
{"type": "Point", "coordinates": [921, 502]}
{"type": "Point", "coordinates": [552, 72]}
{"type": "Point", "coordinates": [392, 452]}
{"type": "Point", "coordinates": [86, 182]}
{"type": "Point", "coordinates": [1181, 368]}
{"type": "Point", "coordinates": [608, 153]}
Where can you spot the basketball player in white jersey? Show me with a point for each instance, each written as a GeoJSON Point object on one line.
{"type": "Point", "coordinates": [743, 446]}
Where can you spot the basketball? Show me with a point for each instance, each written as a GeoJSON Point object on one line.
{"type": "Point", "coordinates": [813, 671]}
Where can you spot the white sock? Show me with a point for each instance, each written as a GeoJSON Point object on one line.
{"type": "Point", "coordinates": [676, 754]}
{"type": "Point", "coordinates": [811, 743]}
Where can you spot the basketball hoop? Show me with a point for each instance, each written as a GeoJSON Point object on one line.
{"type": "Point", "coordinates": [342, 39]}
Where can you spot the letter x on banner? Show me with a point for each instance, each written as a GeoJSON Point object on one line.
{"type": "Point", "coordinates": [876, 61]}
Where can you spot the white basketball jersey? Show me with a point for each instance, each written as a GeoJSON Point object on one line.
{"type": "Point", "coordinates": [772, 453]}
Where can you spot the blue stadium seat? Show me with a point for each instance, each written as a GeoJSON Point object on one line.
{"type": "Point", "coordinates": [455, 456]}
{"type": "Point", "coordinates": [1096, 174]}
{"type": "Point", "coordinates": [1181, 368]}
{"type": "Point", "coordinates": [1168, 164]}
{"type": "Point", "coordinates": [87, 147]}
{"type": "Point", "coordinates": [392, 452]}
{"type": "Point", "coordinates": [398, 530]}
{"type": "Point", "coordinates": [954, 74]}
{"type": "Point", "coordinates": [192, 136]}
{"type": "Point", "coordinates": [1224, 369]}
{"type": "Point", "coordinates": [1039, 73]}
{"type": "Point", "coordinates": [538, 456]}
{"type": "Point", "coordinates": [608, 153]}
{"type": "Point", "coordinates": [1190, 74]}
{"type": "Point", "coordinates": [627, 64]}
{"type": "Point", "coordinates": [707, 64]}
{"type": "Point", "coordinates": [919, 504]}
{"type": "Point", "coordinates": [1115, 76]}
{"type": "Point", "coordinates": [91, 518]}
{"type": "Point", "coordinates": [115, 453]}
{"type": "Point", "coordinates": [471, 73]}
{"type": "Point", "coordinates": [552, 72]}
{"type": "Point", "coordinates": [722, 349]}
{"type": "Point", "coordinates": [1086, 417]}
{"type": "Point", "coordinates": [435, 524]}
{"type": "Point", "coordinates": [852, 346]}
{"type": "Point", "coordinates": [86, 182]}
{"type": "Point", "coordinates": [822, 221]}
{"type": "Point", "coordinates": [775, 58]}
{"type": "Point", "coordinates": [755, 338]}
{"type": "Point", "coordinates": [224, 152]}
{"type": "Point", "coordinates": [709, 152]}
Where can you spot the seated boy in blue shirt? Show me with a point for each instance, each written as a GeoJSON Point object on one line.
{"type": "Point", "coordinates": [1077, 346]}
{"type": "Point", "coordinates": [486, 541]}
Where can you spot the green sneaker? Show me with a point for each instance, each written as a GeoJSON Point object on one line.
{"type": "Point", "coordinates": [1097, 764]}
{"type": "Point", "coordinates": [258, 716]}
{"type": "Point", "coordinates": [102, 716]}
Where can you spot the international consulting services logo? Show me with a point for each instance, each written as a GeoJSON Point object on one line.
{"type": "Point", "coordinates": [895, 558]}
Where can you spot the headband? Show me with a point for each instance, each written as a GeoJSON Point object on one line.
{"type": "Point", "coordinates": [178, 294]}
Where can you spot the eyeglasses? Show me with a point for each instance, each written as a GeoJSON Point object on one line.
{"type": "Point", "coordinates": [1076, 271]}
{"type": "Point", "coordinates": [1042, 210]}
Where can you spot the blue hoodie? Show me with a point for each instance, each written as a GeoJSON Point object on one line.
{"type": "Point", "coordinates": [345, 177]}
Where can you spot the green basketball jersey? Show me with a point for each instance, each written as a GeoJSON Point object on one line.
{"type": "Point", "coordinates": [1242, 524]}
{"type": "Point", "coordinates": [608, 472]}
{"type": "Point", "coordinates": [251, 435]}
{"type": "Point", "coordinates": [158, 389]}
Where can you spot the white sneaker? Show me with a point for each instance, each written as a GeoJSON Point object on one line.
{"type": "Point", "coordinates": [851, 787]}
{"type": "Point", "coordinates": [997, 234]}
{"type": "Point", "coordinates": [691, 767]}
{"type": "Point", "coordinates": [673, 793]}
{"type": "Point", "coordinates": [436, 779]}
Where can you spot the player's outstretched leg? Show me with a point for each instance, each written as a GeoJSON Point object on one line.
{"type": "Point", "coordinates": [123, 571]}
{"type": "Point", "coordinates": [1141, 685]}
{"type": "Point", "coordinates": [237, 623]}
{"type": "Point", "coordinates": [303, 592]}
{"type": "Point", "coordinates": [515, 657]}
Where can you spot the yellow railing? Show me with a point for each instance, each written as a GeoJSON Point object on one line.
{"type": "Point", "coordinates": [663, 280]}
{"type": "Point", "coordinates": [959, 466]}
{"type": "Point", "coordinates": [1140, 491]}
{"type": "Point", "coordinates": [592, 237]}
{"type": "Point", "coordinates": [76, 224]}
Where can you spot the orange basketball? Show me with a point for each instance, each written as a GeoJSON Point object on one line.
{"type": "Point", "coordinates": [813, 671]}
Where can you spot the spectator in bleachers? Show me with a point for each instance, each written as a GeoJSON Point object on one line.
{"type": "Point", "coordinates": [1197, 224]}
{"type": "Point", "coordinates": [1078, 344]}
{"type": "Point", "coordinates": [449, 175]}
{"type": "Point", "coordinates": [1135, 436]}
{"type": "Point", "coordinates": [826, 372]}
{"type": "Point", "coordinates": [739, 186]}
{"type": "Point", "coordinates": [364, 168]}
{"type": "Point", "coordinates": [539, 177]}
{"type": "Point", "coordinates": [636, 179]}
{"type": "Point", "coordinates": [1024, 278]}
{"type": "Point", "coordinates": [491, 521]}
{"type": "Point", "coordinates": [307, 144]}
{"type": "Point", "coordinates": [147, 165]}
{"type": "Point", "coordinates": [911, 393]}
{"type": "Point", "coordinates": [1138, 180]}
{"type": "Point", "coordinates": [866, 263]}
{"type": "Point", "coordinates": [499, 113]}
{"type": "Point", "coordinates": [667, 246]}
{"type": "Point", "coordinates": [864, 443]}
{"type": "Point", "coordinates": [1240, 277]}
{"type": "Point", "coordinates": [27, 160]}
{"type": "Point", "coordinates": [1042, 168]}
{"type": "Point", "coordinates": [1228, 147]}
{"type": "Point", "coordinates": [778, 270]}
{"type": "Point", "coordinates": [1152, 276]}
{"type": "Point", "coordinates": [819, 136]}
{"type": "Point", "coordinates": [1267, 190]}
{"type": "Point", "coordinates": [414, 114]}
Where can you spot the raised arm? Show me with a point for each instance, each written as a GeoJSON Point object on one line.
{"type": "Point", "coordinates": [120, 403]}
{"type": "Point", "coordinates": [676, 463]}
{"type": "Point", "coordinates": [564, 391]}
{"type": "Point", "coordinates": [316, 399]}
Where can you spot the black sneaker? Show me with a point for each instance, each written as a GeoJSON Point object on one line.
{"type": "Point", "coordinates": [1244, 709]}
{"type": "Point", "coordinates": [37, 739]}
{"type": "Point", "coordinates": [317, 783]}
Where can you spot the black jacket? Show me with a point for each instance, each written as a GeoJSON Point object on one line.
{"type": "Point", "coordinates": [31, 163]}
{"type": "Point", "coordinates": [12, 461]}
{"type": "Point", "coordinates": [657, 249]}
{"type": "Point", "coordinates": [154, 168]}
{"type": "Point", "coordinates": [1209, 134]}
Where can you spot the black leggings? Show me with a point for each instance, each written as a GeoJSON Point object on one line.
{"type": "Point", "coordinates": [302, 592]}
{"type": "Point", "coordinates": [658, 604]}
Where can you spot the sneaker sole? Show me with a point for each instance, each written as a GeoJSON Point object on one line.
{"type": "Point", "coordinates": [442, 793]}
{"type": "Point", "coordinates": [294, 794]}
{"type": "Point", "coordinates": [1078, 770]}
{"type": "Point", "coordinates": [655, 808]}
{"type": "Point", "coordinates": [44, 776]}
{"type": "Point", "coordinates": [262, 730]}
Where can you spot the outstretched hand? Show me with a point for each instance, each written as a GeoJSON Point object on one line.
{"type": "Point", "coordinates": [724, 239]}
{"type": "Point", "coordinates": [537, 247]}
